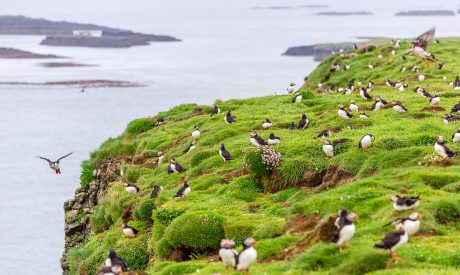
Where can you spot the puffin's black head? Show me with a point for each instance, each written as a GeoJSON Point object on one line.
{"type": "Point", "coordinates": [222, 146]}
{"type": "Point", "coordinates": [267, 120]}
{"type": "Point", "coordinates": [123, 226]}
{"type": "Point", "coordinates": [304, 116]}
{"type": "Point", "coordinates": [160, 153]}
{"type": "Point", "coordinates": [415, 216]}
{"type": "Point", "coordinates": [112, 254]}
{"type": "Point", "coordinates": [229, 113]}
{"type": "Point", "coordinates": [341, 107]}
{"type": "Point", "coordinates": [440, 138]}
{"type": "Point", "coordinates": [352, 101]}
{"type": "Point", "coordinates": [394, 198]}
{"type": "Point", "coordinates": [187, 184]}
{"type": "Point", "coordinates": [292, 84]}
{"type": "Point", "coordinates": [272, 136]}
{"type": "Point", "coordinates": [248, 242]}
{"type": "Point", "coordinates": [227, 243]}
{"type": "Point", "coordinates": [157, 187]}
{"type": "Point", "coordinates": [195, 127]}
{"type": "Point", "coordinates": [173, 161]}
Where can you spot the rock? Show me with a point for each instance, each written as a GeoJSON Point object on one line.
{"type": "Point", "coordinates": [10, 53]}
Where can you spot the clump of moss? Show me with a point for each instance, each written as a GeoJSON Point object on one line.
{"type": "Point", "coordinates": [447, 211]}
{"type": "Point", "coordinates": [100, 220]}
{"type": "Point", "coordinates": [144, 211]}
{"type": "Point", "coordinates": [86, 176]}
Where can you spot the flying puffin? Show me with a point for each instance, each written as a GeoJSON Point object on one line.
{"type": "Point", "coordinates": [404, 203]}
{"type": "Point", "coordinates": [160, 121]}
{"type": "Point", "coordinates": [419, 47]}
{"type": "Point", "coordinates": [324, 133]}
{"type": "Point", "coordinates": [267, 124]}
{"type": "Point", "coordinates": [190, 147]}
{"type": "Point", "coordinates": [229, 119]}
{"type": "Point", "coordinates": [456, 108]}
{"type": "Point", "coordinates": [362, 114]}
{"type": "Point", "coordinates": [113, 260]}
{"type": "Point", "coordinates": [345, 228]}
{"type": "Point", "coordinates": [196, 133]}
{"type": "Point", "coordinates": [329, 148]}
{"type": "Point", "coordinates": [398, 107]}
{"type": "Point", "coordinates": [293, 126]}
{"type": "Point", "coordinates": [226, 156]}
{"type": "Point", "coordinates": [379, 103]}
{"type": "Point", "coordinates": [54, 165]}
{"type": "Point", "coordinates": [441, 148]}
{"type": "Point", "coordinates": [183, 191]}
{"type": "Point", "coordinates": [215, 110]}
{"type": "Point", "coordinates": [256, 139]}
{"type": "Point", "coordinates": [290, 89]}
{"type": "Point", "coordinates": [449, 118]}
{"type": "Point", "coordinates": [355, 47]}
{"type": "Point", "coordinates": [297, 98]}
{"type": "Point", "coordinates": [393, 241]}
{"type": "Point", "coordinates": [247, 256]}
{"type": "Point", "coordinates": [353, 107]}
{"type": "Point", "coordinates": [343, 113]}
{"type": "Point", "coordinates": [131, 188]}
{"type": "Point", "coordinates": [435, 99]}
{"type": "Point", "coordinates": [174, 167]}
{"type": "Point", "coordinates": [160, 157]}
{"type": "Point", "coordinates": [364, 93]}
{"type": "Point", "coordinates": [272, 139]}
{"type": "Point", "coordinates": [411, 223]}
{"type": "Point", "coordinates": [441, 66]}
{"type": "Point", "coordinates": [366, 141]}
{"type": "Point", "coordinates": [456, 136]}
{"type": "Point", "coordinates": [303, 122]}
{"type": "Point", "coordinates": [156, 191]}
{"type": "Point", "coordinates": [227, 253]}
{"type": "Point", "coordinates": [456, 83]}
{"type": "Point", "coordinates": [129, 231]}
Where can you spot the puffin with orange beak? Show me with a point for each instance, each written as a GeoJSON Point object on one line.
{"type": "Point", "coordinates": [441, 149]}
{"type": "Point", "coordinates": [345, 228]}
{"type": "Point", "coordinates": [404, 203]}
{"type": "Point", "coordinates": [419, 47]}
{"type": "Point", "coordinates": [411, 223]}
{"type": "Point", "coordinates": [247, 256]}
{"type": "Point", "coordinates": [54, 165]}
{"type": "Point", "coordinates": [393, 241]}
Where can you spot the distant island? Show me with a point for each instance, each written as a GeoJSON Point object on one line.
{"type": "Point", "coordinates": [426, 13]}
{"type": "Point", "coordinates": [64, 64]}
{"type": "Point", "coordinates": [289, 7]}
{"type": "Point", "coordinates": [96, 83]}
{"type": "Point", "coordinates": [10, 53]}
{"type": "Point", "coordinates": [318, 51]}
{"type": "Point", "coordinates": [62, 33]}
{"type": "Point", "coordinates": [340, 13]}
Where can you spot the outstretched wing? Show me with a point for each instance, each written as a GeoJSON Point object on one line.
{"type": "Point", "coordinates": [424, 38]}
{"type": "Point", "coordinates": [49, 161]}
{"type": "Point", "coordinates": [339, 141]}
{"type": "Point", "coordinates": [64, 156]}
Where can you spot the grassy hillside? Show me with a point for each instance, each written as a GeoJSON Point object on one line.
{"type": "Point", "coordinates": [290, 210]}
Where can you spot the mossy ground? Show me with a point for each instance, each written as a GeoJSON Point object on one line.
{"type": "Point", "coordinates": [399, 162]}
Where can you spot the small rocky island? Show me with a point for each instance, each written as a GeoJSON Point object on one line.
{"type": "Point", "coordinates": [10, 53]}
{"type": "Point", "coordinates": [340, 13]}
{"type": "Point", "coordinates": [318, 51]}
{"type": "Point", "coordinates": [426, 13]}
{"type": "Point", "coordinates": [63, 33]}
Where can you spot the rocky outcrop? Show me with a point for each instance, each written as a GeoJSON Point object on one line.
{"type": "Point", "coordinates": [318, 51]}
{"type": "Point", "coordinates": [79, 209]}
{"type": "Point", "coordinates": [426, 13]}
{"type": "Point", "coordinates": [10, 53]}
{"type": "Point", "coordinates": [342, 13]}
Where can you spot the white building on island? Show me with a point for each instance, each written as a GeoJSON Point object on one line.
{"type": "Point", "coordinates": [91, 33]}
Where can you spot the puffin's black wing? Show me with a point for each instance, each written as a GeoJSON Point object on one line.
{"type": "Point", "coordinates": [179, 192]}
{"type": "Point", "coordinates": [384, 102]}
{"type": "Point", "coordinates": [49, 161]}
{"type": "Point", "coordinates": [135, 230]}
{"type": "Point", "coordinates": [342, 218]}
{"type": "Point", "coordinates": [119, 261]}
{"type": "Point", "coordinates": [390, 240]}
{"type": "Point", "coordinates": [170, 171]}
{"type": "Point", "coordinates": [396, 221]}
{"type": "Point", "coordinates": [64, 156]}
{"type": "Point", "coordinates": [423, 39]}
{"type": "Point", "coordinates": [260, 140]}
{"type": "Point", "coordinates": [155, 192]}
{"type": "Point", "coordinates": [339, 141]}
{"type": "Point", "coordinates": [226, 154]}
{"type": "Point", "coordinates": [449, 152]}
{"type": "Point", "coordinates": [456, 108]}
{"type": "Point", "coordinates": [179, 168]}
{"type": "Point", "coordinates": [407, 201]}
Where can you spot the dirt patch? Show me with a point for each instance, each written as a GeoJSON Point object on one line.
{"type": "Point", "coordinates": [443, 162]}
{"type": "Point", "coordinates": [311, 179]}
{"type": "Point", "coordinates": [433, 109]}
{"type": "Point", "coordinates": [178, 255]}
{"type": "Point", "coordinates": [235, 174]}
{"type": "Point", "coordinates": [428, 233]}
{"type": "Point", "coordinates": [358, 126]}
{"type": "Point", "coordinates": [135, 273]}
{"type": "Point", "coordinates": [126, 214]}
{"type": "Point", "coordinates": [213, 259]}
{"type": "Point", "coordinates": [253, 208]}
{"type": "Point", "coordinates": [177, 141]}
{"type": "Point", "coordinates": [301, 223]}
{"type": "Point", "coordinates": [335, 176]}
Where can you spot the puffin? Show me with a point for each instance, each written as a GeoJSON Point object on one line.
{"type": "Point", "coordinates": [404, 203]}
{"type": "Point", "coordinates": [345, 228]}
{"type": "Point", "coordinates": [267, 124]}
{"type": "Point", "coordinates": [398, 107]}
{"type": "Point", "coordinates": [183, 191]}
{"type": "Point", "coordinates": [303, 122]}
{"type": "Point", "coordinates": [402, 57]}
{"type": "Point", "coordinates": [419, 47]}
{"type": "Point", "coordinates": [227, 253]}
{"type": "Point", "coordinates": [324, 133]}
{"type": "Point", "coordinates": [272, 139]}
{"type": "Point", "coordinates": [290, 88]}
{"type": "Point", "coordinates": [392, 84]}
{"type": "Point", "coordinates": [113, 260]}
{"type": "Point", "coordinates": [175, 167]}
{"type": "Point", "coordinates": [421, 77]}
{"type": "Point", "coordinates": [156, 191]}
{"type": "Point", "coordinates": [346, 67]}
{"type": "Point", "coordinates": [456, 83]}
{"type": "Point", "coordinates": [411, 223]}
{"type": "Point", "coordinates": [129, 231]}
{"type": "Point", "coordinates": [449, 118]}
{"type": "Point", "coordinates": [441, 66]}
{"type": "Point", "coordinates": [353, 107]}
{"type": "Point", "coordinates": [293, 126]}
{"type": "Point", "coordinates": [394, 240]}
{"type": "Point", "coordinates": [366, 141]}
{"type": "Point", "coordinates": [364, 93]}
{"type": "Point", "coordinates": [456, 136]}
{"type": "Point", "coordinates": [379, 103]}
{"type": "Point", "coordinates": [160, 157]}
{"type": "Point", "coordinates": [403, 69]}
{"type": "Point", "coordinates": [355, 47]}
{"type": "Point", "coordinates": [247, 256]}
{"type": "Point", "coordinates": [435, 99]}
{"type": "Point", "coordinates": [456, 108]}
{"type": "Point", "coordinates": [441, 149]}
{"type": "Point", "coordinates": [131, 188]}
{"type": "Point", "coordinates": [196, 133]}
{"type": "Point", "coordinates": [329, 148]}
{"type": "Point", "coordinates": [370, 66]}
{"type": "Point", "coordinates": [414, 68]}
{"type": "Point", "coordinates": [343, 113]}
{"type": "Point", "coordinates": [54, 165]}
{"type": "Point", "coordinates": [297, 98]}
{"type": "Point", "coordinates": [160, 121]}
{"type": "Point", "coordinates": [190, 147]}
{"type": "Point", "coordinates": [229, 118]}
{"type": "Point", "coordinates": [403, 87]}
{"type": "Point", "coordinates": [393, 52]}
{"type": "Point", "coordinates": [256, 139]}
{"type": "Point", "coordinates": [215, 110]}
{"type": "Point", "coordinates": [334, 68]}
{"type": "Point", "coordinates": [362, 114]}
{"type": "Point", "coordinates": [350, 89]}
{"type": "Point", "coordinates": [109, 270]}
{"type": "Point", "coordinates": [226, 156]}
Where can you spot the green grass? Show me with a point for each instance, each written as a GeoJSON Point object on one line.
{"type": "Point", "coordinates": [227, 201]}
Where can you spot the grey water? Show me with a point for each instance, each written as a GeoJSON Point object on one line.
{"type": "Point", "coordinates": [229, 50]}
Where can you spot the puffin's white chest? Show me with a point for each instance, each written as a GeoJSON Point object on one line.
{"type": "Point", "coordinates": [343, 114]}
{"type": "Point", "coordinates": [196, 134]}
{"type": "Point", "coordinates": [227, 256]}
{"type": "Point", "coordinates": [402, 241]}
{"type": "Point", "coordinates": [435, 100]}
{"type": "Point", "coordinates": [266, 125]}
{"type": "Point", "coordinates": [399, 109]}
{"type": "Point", "coordinates": [173, 167]}
{"type": "Point", "coordinates": [190, 148]}
{"type": "Point", "coordinates": [346, 233]}
{"type": "Point", "coordinates": [186, 191]}
{"type": "Point", "coordinates": [298, 99]}
{"type": "Point", "coordinates": [290, 90]}
{"type": "Point", "coordinates": [411, 226]}
{"type": "Point", "coordinates": [401, 88]}
{"type": "Point", "coordinates": [403, 207]}
{"type": "Point", "coordinates": [378, 105]}
{"type": "Point", "coordinates": [128, 232]}
{"type": "Point", "coordinates": [328, 150]}
{"type": "Point", "coordinates": [366, 142]}
{"type": "Point", "coordinates": [421, 53]}
{"type": "Point", "coordinates": [273, 141]}
{"type": "Point", "coordinates": [354, 107]}
{"type": "Point", "coordinates": [220, 154]}
{"type": "Point", "coordinates": [254, 142]}
{"type": "Point", "coordinates": [246, 258]}
{"type": "Point", "coordinates": [160, 159]}
{"type": "Point", "coordinates": [440, 150]}
{"type": "Point", "coordinates": [456, 138]}
{"type": "Point", "coordinates": [131, 189]}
